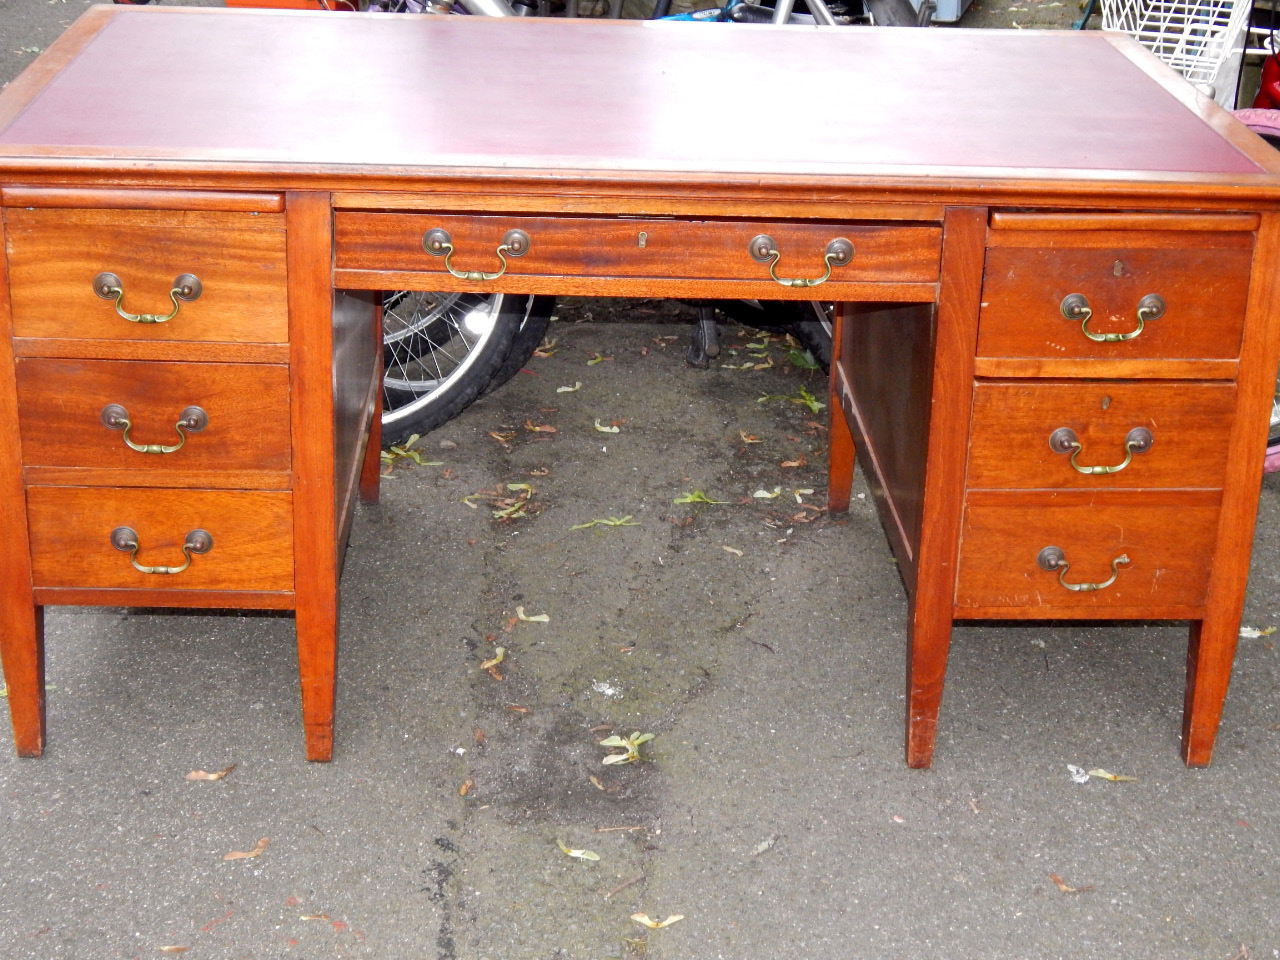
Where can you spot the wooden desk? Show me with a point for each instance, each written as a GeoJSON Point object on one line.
{"type": "Point", "coordinates": [996, 247]}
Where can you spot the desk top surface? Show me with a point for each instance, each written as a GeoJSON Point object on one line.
{"type": "Point", "coordinates": [178, 87]}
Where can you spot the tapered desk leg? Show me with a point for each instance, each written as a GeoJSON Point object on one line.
{"type": "Point", "coordinates": [1212, 643]}
{"type": "Point", "coordinates": [1211, 649]}
{"type": "Point", "coordinates": [22, 651]}
{"type": "Point", "coordinates": [371, 468]}
{"type": "Point", "coordinates": [21, 621]}
{"type": "Point", "coordinates": [309, 251]}
{"type": "Point", "coordinates": [839, 433]}
{"type": "Point", "coordinates": [933, 596]}
{"type": "Point", "coordinates": [840, 468]}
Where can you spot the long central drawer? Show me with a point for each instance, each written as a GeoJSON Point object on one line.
{"type": "Point", "coordinates": [613, 247]}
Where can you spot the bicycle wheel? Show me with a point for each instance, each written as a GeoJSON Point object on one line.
{"type": "Point", "coordinates": [527, 339]}
{"type": "Point", "coordinates": [440, 351]}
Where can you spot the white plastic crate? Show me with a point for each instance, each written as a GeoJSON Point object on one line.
{"type": "Point", "coordinates": [1194, 37]}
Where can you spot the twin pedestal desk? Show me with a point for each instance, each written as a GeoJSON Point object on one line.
{"type": "Point", "coordinates": [1055, 350]}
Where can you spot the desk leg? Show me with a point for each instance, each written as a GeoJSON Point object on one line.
{"type": "Point", "coordinates": [933, 597]}
{"type": "Point", "coordinates": [839, 432]}
{"type": "Point", "coordinates": [1212, 644]}
{"type": "Point", "coordinates": [309, 251]}
{"type": "Point", "coordinates": [21, 621]}
{"type": "Point", "coordinates": [22, 651]}
{"type": "Point", "coordinates": [371, 468]}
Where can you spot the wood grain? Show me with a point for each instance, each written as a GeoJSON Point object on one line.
{"type": "Point", "coordinates": [839, 431]}
{"type": "Point", "coordinates": [638, 247]}
{"type": "Point", "coordinates": [71, 529]}
{"type": "Point", "coordinates": [1212, 642]}
{"type": "Point", "coordinates": [21, 620]}
{"type": "Point", "coordinates": [101, 198]}
{"type": "Point", "coordinates": [309, 223]}
{"type": "Point", "coordinates": [54, 255]}
{"type": "Point", "coordinates": [1170, 549]}
{"type": "Point", "coordinates": [1204, 287]}
{"type": "Point", "coordinates": [951, 396]}
{"type": "Point", "coordinates": [1012, 421]}
{"type": "Point", "coordinates": [60, 404]}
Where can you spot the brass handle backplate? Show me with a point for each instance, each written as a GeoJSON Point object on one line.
{"type": "Point", "coordinates": [125, 538]}
{"type": "Point", "coordinates": [763, 249]}
{"type": "Point", "coordinates": [438, 243]}
{"type": "Point", "coordinates": [1075, 306]}
{"type": "Point", "coordinates": [192, 419]}
{"type": "Point", "coordinates": [186, 287]}
{"type": "Point", "coordinates": [1137, 440]}
{"type": "Point", "coordinates": [1053, 558]}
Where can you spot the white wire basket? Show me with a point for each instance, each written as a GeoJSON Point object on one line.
{"type": "Point", "coordinates": [1195, 37]}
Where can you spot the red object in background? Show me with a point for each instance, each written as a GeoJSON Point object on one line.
{"type": "Point", "coordinates": [1268, 97]}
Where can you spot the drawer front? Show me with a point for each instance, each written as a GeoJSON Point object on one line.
{"type": "Point", "coordinates": [624, 248]}
{"type": "Point", "coordinates": [56, 254]}
{"type": "Point", "coordinates": [1201, 279]}
{"type": "Point", "coordinates": [1187, 427]}
{"type": "Point", "coordinates": [245, 408]}
{"type": "Point", "coordinates": [71, 538]}
{"type": "Point", "coordinates": [1169, 546]}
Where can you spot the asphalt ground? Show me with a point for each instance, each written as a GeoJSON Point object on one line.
{"type": "Point", "coordinates": [760, 641]}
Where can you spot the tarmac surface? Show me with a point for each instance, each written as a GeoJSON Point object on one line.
{"type": "Point", "coordinates": [759, 640]}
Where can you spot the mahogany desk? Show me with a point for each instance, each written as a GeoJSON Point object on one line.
{"type": "Point", "coordinates": [1062, 260]}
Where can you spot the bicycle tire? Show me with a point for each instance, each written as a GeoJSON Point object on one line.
{"type": "Point", "coordinates": [440, 352]}
{"type": "Point", "coordinates": [527, 339]}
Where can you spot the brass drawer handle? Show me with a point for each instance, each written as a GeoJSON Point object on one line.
{"type": "Point", "coordinates": [1075, 306]}
{"type": "Point", "coordinates": [186, 287]}
{"type": "Point", "coordinates": [1137, 440]}
{"type": "Point", "coordinates": [116, 417]}
{"type": "Point", "coordinates": [438, 243]}
{"type": "Point", "coordinates": [125, 538]}
{"type": "Point", "coordinates": [763, 250]}
{"type": "Point", "coordinates": [1053, 558]}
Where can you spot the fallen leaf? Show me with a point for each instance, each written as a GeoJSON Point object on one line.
{"type": "Point", "coordinates": [766, 495]}
{"type": "Point", "coordinates": [467, 784]}
{"type": "Point", "coordinates": [497, 658]}
{"type": "Point", "coordinates": [595, 781]}
{"type": "Point", "coordinates": [577, 385]}
{"type": "Point", "coordinates": [539, 618]}
{"type": "Point", "coordinates": [1103, 774]}
{"type": "Point", "coordinates": [603, 429]}
{"type": "Point", "coordinates": [607, 522]}
{"type": "Point", "coordinates": [540, 472]}
{"type": "Point", "coordinates": [517, 709]}
{"type": "Point", "coordinates": [173, 949]}
{"type": "Point", "coordinates": [478, 735]}
{"type": "Point", "coordinates": [696, 497]}
{"type": "Point", "coordinates": [749, 438]}
{"type": "Point", "coordinates": [1252, 633]}
{"type": "Point", "coordinates": [654, 924]}
{"type": "Point", "coordinates": [631, 744]}
{"type": "Point", "coordinates": [734, 550]}
{"type": "Point", "coordinates": [539, 427]}
{"type": "Point", "coordinates": [315, 916]}
{"type": "Point", "coordinates": [797, 462]}
{"type": "Point", "coordinates": [766, 845]}
{"type": "Point", "coordinates": [545, 349]}
{"type": "Point", "coordinates": [205, 775]}
{"type": "Point", "coordinates": [245, 854]}
{"type": "Point", "coordinates": [1058, 882]}
{"type": "Point", "coordinates": [579, 854]}
{"type": "Point", "coordinates": [596, 358]}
